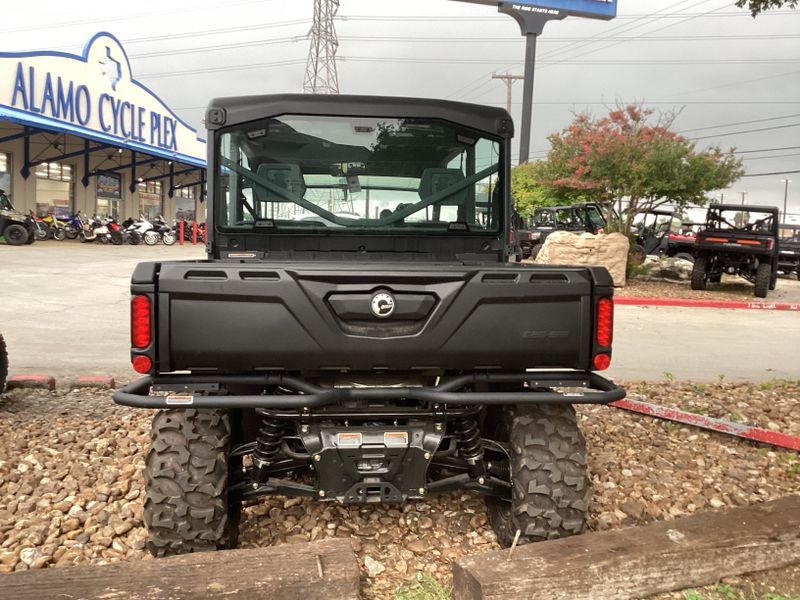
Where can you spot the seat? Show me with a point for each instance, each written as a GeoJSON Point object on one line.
{"type": "Point", "coordinates": [435, 180]}
{"type": "Point", "coordinates": [283, 175]}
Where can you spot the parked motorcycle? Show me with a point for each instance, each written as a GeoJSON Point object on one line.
{"type": "Point", "coordinates": [40, 228]}
{"type": "Point", "coordinates": [130, 231]}
{"type": "Point", "coordinates": [115, 233]}
{"type": "Point", "coordinates": [94, 229]}
{"type": "Point", "coordinates": [55, 228]}
{"type": "Point", "coordinates": [73, 226]}
{"type": "Point", "coordinates": [160, 232]}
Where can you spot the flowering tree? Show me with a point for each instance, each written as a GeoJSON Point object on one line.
{"type": "Point", "coordinates": [632, 160]}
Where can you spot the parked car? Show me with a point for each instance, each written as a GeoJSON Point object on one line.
{"type": "Point", "coordinates": [789, 250]}
{"type": "Point", "coordinates": [386, 359]}
{"type": "Point", "coordinates": [17, 228]}
{"type": "Point", "coordinates": [738, 240]}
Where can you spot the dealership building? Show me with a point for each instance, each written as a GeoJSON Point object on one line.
{"type": "Point", "coordinates": [79, 133]}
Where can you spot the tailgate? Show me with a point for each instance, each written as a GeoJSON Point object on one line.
{"type": "Point", "coordinates": [235, 318]}
{"type": "Point", "coordinates": [736, 242]}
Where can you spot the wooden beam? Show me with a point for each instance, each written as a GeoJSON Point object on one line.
{"type": "Point", "coordinates": [639, 561]}
{"type": "Point", "coordinates": [318, 571]}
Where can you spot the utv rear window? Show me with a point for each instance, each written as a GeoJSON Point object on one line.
{"type": "Point", "coordinates": [298, 173]}
{"type": "Point", "coordinates": [740, 220]}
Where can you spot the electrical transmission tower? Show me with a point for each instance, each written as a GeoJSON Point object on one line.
{"type": "Point", "coordinates": [321, 77]}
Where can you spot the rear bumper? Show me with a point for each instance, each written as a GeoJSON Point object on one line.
{"type": "Point", "coordinates": [182, 391]}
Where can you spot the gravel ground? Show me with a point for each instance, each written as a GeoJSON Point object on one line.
{"type": "Point", "coordinates": [731, 288]}
{"type": "Point", "coordinates": [71, 483]}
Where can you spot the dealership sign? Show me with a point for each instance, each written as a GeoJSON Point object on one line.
{"type": "Point", "coordinates": [94, 95]}
{"type": "Point", "coordinates": [595, 9]}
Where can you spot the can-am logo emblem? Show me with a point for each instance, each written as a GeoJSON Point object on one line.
{"type": "Point", "coordinates": [382, 305]}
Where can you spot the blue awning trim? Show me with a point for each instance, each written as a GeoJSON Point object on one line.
{"type": "Point", "coordinates": [22, 117]}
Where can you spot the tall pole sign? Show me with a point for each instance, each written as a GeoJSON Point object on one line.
{"type": "Point", "coordinates": [532, 16]}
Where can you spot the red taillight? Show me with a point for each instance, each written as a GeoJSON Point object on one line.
{"type": "Point", "coordinates": [769, 244]}
{"type": "Point", "coordinates": [601, 362]}
{"type": "Point", "coordinates": [142, 364]}
{"type": "Point", "coordinates": [140, 321]}
{"type": "Point", "coordinates": [604, 323]}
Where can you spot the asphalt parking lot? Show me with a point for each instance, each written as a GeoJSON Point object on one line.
{"type": "Point", "coordinates": [65, 312]}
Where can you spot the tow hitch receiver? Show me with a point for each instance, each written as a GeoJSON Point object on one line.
{"type": "Point", "coordinates": [365, 465]}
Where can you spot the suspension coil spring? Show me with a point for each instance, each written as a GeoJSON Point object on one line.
{"type": "Point", "coordinates": [268, 441]}
{"type": "Point", "coordinates": [468, 439]}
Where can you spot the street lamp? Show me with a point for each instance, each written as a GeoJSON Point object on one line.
{"type": "Point", "coordinates": [785, 196]}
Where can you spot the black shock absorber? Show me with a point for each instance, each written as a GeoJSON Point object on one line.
{"type": "Point", "coordinates": [268, 445]}
{"type": "Point", "coordinates": [468, 439]}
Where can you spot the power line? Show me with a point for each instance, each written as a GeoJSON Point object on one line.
{"type": "Point", "coordinates": [770, 174]}
{"type": "Point", "coordinates": [490, 61]}
{"type": "Point", "coordinates": [407, 39]}
{"type": "Point", "coordinates": [562, 40]}
{"type": "Point", "coordinates": [265, 65]}
{"type": "Point", "coordinates": [771, 157]}
{"type": "Point", "coordinates": [705, 137]}
{"type": "Point", "coordinates": [482, 81]}
{"type": "Point", "coordinates": [767, 150]}
{"type": "Point", "coordinates": [137, 15]}
{"type": "Point", "coordinates": [294, 38]}
{"type": "Point", "coordinates": [495, 19]}
{"type": "Point", "coordinates": [739, 123]}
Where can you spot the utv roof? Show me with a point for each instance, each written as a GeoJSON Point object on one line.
{"type": "Point", "coordinates": [744, 208]}
{"type": "Point", "coordinates": [226, 112]}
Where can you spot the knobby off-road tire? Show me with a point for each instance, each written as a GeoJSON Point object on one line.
{"type": "Point", "coordinates": [187, 507]}
{"type": "Point", "coordinates": [763, 280]}
{"type": "Point", "coordinates": [685, 256]}
{"type": "Point", "coordinates": [3, 365]}
{"type": "Point", "coordinates": [16, 235]}
{"type": "Point", "coordinates": [551, 486]}
{"type": "Point", "coordinates": [699, 273]}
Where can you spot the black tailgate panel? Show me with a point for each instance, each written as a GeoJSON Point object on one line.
{"type": "Point", "coordinates": [237, 318]}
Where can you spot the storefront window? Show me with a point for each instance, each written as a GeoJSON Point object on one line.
{"type": "Point", "coordinates": [109, 196]}
{"type": "Point", "coordinates": [150, 198]}
{"type": "Point", "coordinates": [185, 204]}
{"type": "Point", "coordinates": [5, 172]}
{"type": "Point", "coordinates": [54, 189]}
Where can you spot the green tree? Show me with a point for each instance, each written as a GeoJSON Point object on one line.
{"type": "Point", "coordinates": [526, 190]}
{"type": "Point", "coordinates": [630, 159]}
{"type": "Point", "coordinates": [530, 193]}
{"type": "Point", "coordinates": [756, 7]}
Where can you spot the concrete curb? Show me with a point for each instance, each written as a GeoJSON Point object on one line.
{"type": "Point", "coordinates": [700, 303]}
{"type": "Point", "coordinates": [42, 382]}
{"type": "Point", "coordinates": [102, 382]}
{"type": "Point", "coordinates": [47, 382]}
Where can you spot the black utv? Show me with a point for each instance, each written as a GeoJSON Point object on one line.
{"type": "Point", "coordinates": [789, 250]}
{"type": "Point", "coordinates": [738, 240]}
{"type": "Point", "coordinates": [16, 227]}
{"type": "Point", "coordinates": [357, 333]}
{"type": "Point", "coordinates": [585, 217]}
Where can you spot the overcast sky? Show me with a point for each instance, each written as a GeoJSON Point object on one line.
{"type": "Point", "coordinates": [726, 73]}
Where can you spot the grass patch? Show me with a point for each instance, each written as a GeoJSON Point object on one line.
{"type": "Point", "coordinates": [426, 587]}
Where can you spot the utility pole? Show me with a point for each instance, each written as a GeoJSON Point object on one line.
{"type": "Point", "coordinates": [743, 195]}
{"type": "Point", "coordinates": [509, 81]}
{"type": "Point", "coordinates": [785, 196]}
{"type": "Point", "coordinates": [321, 76]}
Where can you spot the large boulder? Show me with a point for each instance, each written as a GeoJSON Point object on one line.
{"type": "Point", "coordinates": [603, 250]}
{"type": "Point", "coordinates": [675, 269]}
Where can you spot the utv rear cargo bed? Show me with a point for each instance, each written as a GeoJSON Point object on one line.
{"type": "Point", "coordinates": [236, 318]}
